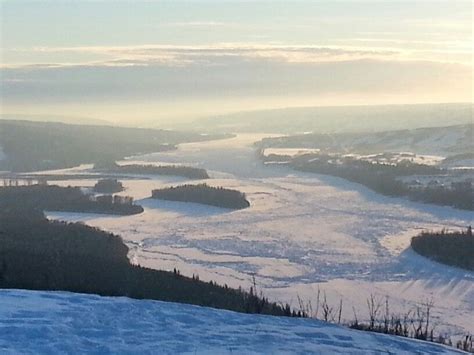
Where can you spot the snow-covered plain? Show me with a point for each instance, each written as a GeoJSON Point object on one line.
{"type": "Point", "coordinates": [302, 232]}
{"type": "Point", "coordinates": [396, 158]}
{"type": "Point", "coordinates": [291, 152]}
{"type": "Point", "coordinates": [65, 323]}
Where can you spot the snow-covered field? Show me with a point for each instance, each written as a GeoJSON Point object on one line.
{"type": "Point", "coordinates": [431, 141]}
{"type": "Point", "coordinates": [461, 164]}
{"type": "Point", "coordinates": [64, 323]}
{"type": "Point", "coordinates": [292, 152]}
{"type": "Point", "coordinates": [396, 158]}
{"type": "Point", "coordinates": [302, 232]}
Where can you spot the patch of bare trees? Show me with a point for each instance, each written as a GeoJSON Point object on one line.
{"type": "Point", "coordinates": [415, 323]}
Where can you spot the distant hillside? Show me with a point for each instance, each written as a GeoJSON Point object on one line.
{"type": "Point", "coordinates": [444, 141]}
{"type": "Point", "coordinates": [341, 119]}
{"type": "Point", "coordinates": [53, 118]}
{"type": "Point", "coordinates": [29, 146]}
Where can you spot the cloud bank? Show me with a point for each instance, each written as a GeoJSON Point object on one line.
{"type": "Point", "coordinates": [186, 80]}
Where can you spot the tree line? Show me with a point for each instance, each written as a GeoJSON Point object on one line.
{"type": "Point", "coordinates": [67, 199]}
{"type": "Point", "coordinates": [384, 179]}
{"type": "Point", "coordinates": [30, 146]}
{"type": "Point", "coordinates": [39, 254]}
{"type": "Point", "coordinates": [455, 248]}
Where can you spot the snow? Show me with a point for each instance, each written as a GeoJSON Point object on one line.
{"type": "Point", "coordinates": [292, 152]}
{"type": "Point", "coordinates": [454, 176]}
{"type": "Point", "coordinates": [33, 322]}
{"type": "Point", "coordinates": [81, 169]}
{"type": "Point", "coordinates": [438, 141]}
{"type": "Point", "coordinates": [131, 161]}
{"type": "Point", "coordinates": [392, 158]}
{"type": "Point", "coordinates": [398, 157]}
{"type": "Point", "coordinates": [461, 164]}
{"type": "Point", "coordinates": [302, 232]}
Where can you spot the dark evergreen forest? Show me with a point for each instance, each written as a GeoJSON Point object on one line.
{"type": "Point", "coordinates": [31, 146]}
{"type": "Point", "coordinates": [451, 248]}
{"type": "Point", "coordinates": [108, 186]}
{"type": "Point", "coordinates": [67, 199]}
{"type": "Point", "coordinates": [39, 254]}
{"type": "Point", "coordinates": [204, 194]}
{"type": "Point", "coordinates": [383, 178]}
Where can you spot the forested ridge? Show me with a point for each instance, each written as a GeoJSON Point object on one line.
{"type": "Point", "coordinates": [39, 254]}
{"type": "Point", "coordinates": [30, 146]}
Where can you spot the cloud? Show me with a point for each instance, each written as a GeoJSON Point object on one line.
{"type": "Point", "coordinates": [205, 55]}
{"type": "Point", "coordinates": [229, 76]}
{"type": "Point", "coordinates": [212, 73]}
{"type": "Point", "coordinates": [220, 54]}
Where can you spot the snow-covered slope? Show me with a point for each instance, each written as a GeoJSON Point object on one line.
{"type": "Point", "coordinates": [339, 119]}
{"type": "Point", "coordinates": [59, 322]}
{"type": "Point", "coordinates": [444, 141]}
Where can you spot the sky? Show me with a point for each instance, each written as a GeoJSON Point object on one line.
{"type": "Point", "coordinates": [162, 61]}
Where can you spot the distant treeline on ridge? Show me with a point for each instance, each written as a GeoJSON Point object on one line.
{"type": "Point", "coordinates": [30, 146]}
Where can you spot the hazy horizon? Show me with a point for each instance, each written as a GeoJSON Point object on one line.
{"type": "Point", "coordinates": [323, 119]}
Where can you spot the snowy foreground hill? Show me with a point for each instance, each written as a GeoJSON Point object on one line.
{"type": "Point", "coordinates": [60, 322]}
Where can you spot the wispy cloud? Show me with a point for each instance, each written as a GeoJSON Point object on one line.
{"type": "Point", "coordinates": [192, 78]}
{"type": "Point", "coordinates": [220, 54]}
{"type": "Point", "coordinates": [210, 55]}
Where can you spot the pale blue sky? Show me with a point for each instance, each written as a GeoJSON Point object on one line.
{"type": "Point", "coordinates": [231, 54]}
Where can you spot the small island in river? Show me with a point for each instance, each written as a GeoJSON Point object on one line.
{"type": "Point", "coordinates": [204, 194]}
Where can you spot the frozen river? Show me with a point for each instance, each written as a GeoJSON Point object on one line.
{"type": "Point", "coordinates": [302, 232]}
